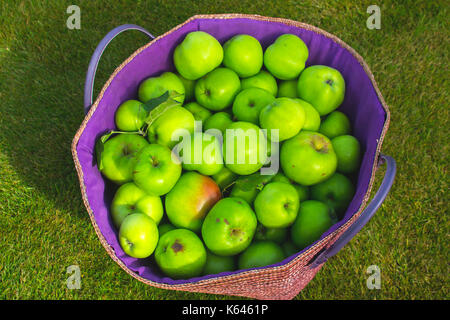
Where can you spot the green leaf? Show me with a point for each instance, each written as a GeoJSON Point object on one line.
{"type": "Point", "coordinates": [155, 108]}
{"type": "Point", "coordinates": [159, 110]}
{"type": "Point", "coordinates": [152, 103]}
{"type": "Point", "coordinates": [253, 181]}
{"type": "Point", "coordinates": [99, 146]}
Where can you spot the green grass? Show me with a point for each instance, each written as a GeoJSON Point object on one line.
{"type": "Point", "coordinates": [44, 227]}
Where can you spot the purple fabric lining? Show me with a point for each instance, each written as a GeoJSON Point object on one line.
{"type": "Point", "coordinates": [361, 104]}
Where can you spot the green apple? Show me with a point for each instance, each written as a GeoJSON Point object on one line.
{"type": "Point", "coordinates": [219, 120]}
{"type": "Point", "coordinates": [189, 86]}
{"type": "Point", "coordinates": [277, 235]}
{"type": "Point", "coordinates": [289, 248]}
{"type": "Point", "coordinates": [335, 124]}
{"type": "Point", "coordinates": [118, 157]}
{"type": "Point", "coordinates": [314, 218]}
{"type": "Point", "coordinates": [164, 129]}
{"type": "Point", "coordinates": [308, 158]}
{"type": "Point", "coordinates": [198, 54]}
{"type": "Point", "coordinates": [336, 192]}
{"type": "Point", "coordinates": [248, 104]}
{"type": "Point", "coordinates": [312, 117]}
{"type": "Point", "coordinates": [229, 227]}
{"type": "Point", "coordinates": [276, 206]}
{"type": "Point", "coordinates": [202, 153]}
{"type": "Point", "coordinates": [164, 228]}
{"type": "Point", "coordinates": [243, 54]}
{"type": "Point", "coordinates": [323, 87]}
{"type": "Point", "coordinates": [224, 178]}
{"type": "Point", "coordinates": [138, 235]}
{"type": "Point", "coordinates": [288, 89]}
{"type": "Point", "coordinates": [216, 264]}
{"type": "Point", "coordinates": [190, 200]}
{"type": "Point", "coordinates": [348, 152]}
{"type": "Point", "coordinates": [303, 191]}
{"type": "Point", "coordinates": [284, 114]}
{"type": "Point", "coordinates": [155, 87]}
{"type": "Point", "coordinates": [129, 199]}
{"type": "Point", "coordinates": [260, 254]}
{"type": "Point", "coordinates": [286, 57]}
{"type": "Point", "coordinates": [130, 116]}
{"type": "Point", "coordinates": [200, 113]}
{"type": "Point", "coordinates": [263, 80]}
{"type": "Point", "coordinates": [157, 169]}
{"type": "Point", "coordinates": [180, 254]}
{"type": "Point", "coordinates": [247, 195]}
{"type": "Point", "coordinates": [244, 148]}
{"type": "Point", "coordinates": [217, 89]}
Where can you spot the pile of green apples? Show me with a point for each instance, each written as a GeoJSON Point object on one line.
{"type": "Point", "coordinates": [196, 218]}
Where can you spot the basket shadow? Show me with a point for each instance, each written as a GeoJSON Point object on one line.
{"type": "Point", "coordinates": [41, 111]}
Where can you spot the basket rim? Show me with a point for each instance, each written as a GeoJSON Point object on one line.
{"type": "Point", "coordinates": [244, 274]}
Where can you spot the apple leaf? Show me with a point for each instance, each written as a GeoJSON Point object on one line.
{"type": "Point", "coordinates": [152, 103]}
{"type": "Point", "coordinates": [253, 181]}
{"type": "Point", "coordinates": [162, 106]}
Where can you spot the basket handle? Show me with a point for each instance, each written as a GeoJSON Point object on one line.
{"type": "Point", "coordinates": [365, 216]}
{"type": "Point", "coordinates": [92, 69]}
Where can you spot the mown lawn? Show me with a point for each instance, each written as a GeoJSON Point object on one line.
{"type": "Point", "coordinates": [44, 227]}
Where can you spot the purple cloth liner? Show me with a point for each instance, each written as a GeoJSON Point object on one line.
{"type": "Point", "coordinates": [361, 105]}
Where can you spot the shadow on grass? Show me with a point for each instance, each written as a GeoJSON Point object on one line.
{"type": "Point", "coordinates": [41, 92]}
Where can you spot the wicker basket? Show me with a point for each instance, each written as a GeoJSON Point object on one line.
{"type": "Point", "coordinates": [363, 104]}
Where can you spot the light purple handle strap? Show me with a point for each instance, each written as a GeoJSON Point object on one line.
{"type": "Point", "coordinates": [365, 216]}
{"type": "Point", "coordinates": [90, 76]}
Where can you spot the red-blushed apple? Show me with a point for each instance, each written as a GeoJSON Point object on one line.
{"type": "Point", "coordinates": [190, 200]}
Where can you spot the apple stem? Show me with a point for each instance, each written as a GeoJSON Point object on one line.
{"type": "Point", "coordinates": [154, 161]}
